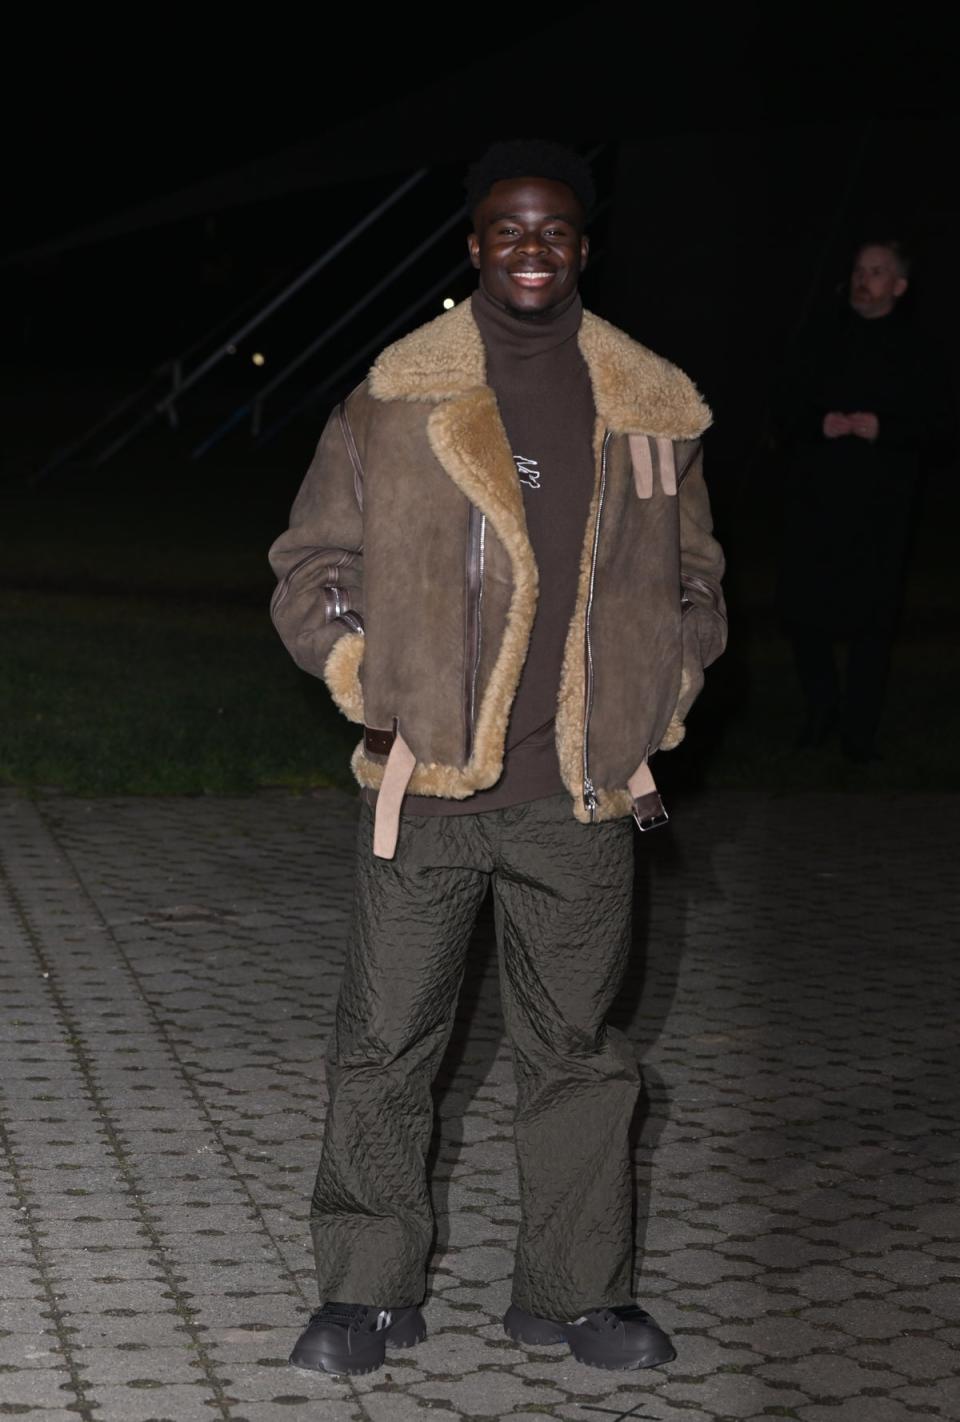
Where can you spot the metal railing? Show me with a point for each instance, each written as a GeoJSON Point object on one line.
{"type": "Point", "coordinates": [173, 371]}
{"type": "Point", "coordinates": [317, 393]}
{"type": "Point", "coordinates": [254, 407]}
{"type": "Point", "coordinates": [178, 380]}
{"type": "Point", "coordinates": [376, 343]}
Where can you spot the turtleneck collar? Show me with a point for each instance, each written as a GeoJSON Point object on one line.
{"type": "Point", "coordinates": [523, 338]}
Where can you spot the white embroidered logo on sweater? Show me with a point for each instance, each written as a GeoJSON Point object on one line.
{"type": "Point", "coordinates": [529, 471]}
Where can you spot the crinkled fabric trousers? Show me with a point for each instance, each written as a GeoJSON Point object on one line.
{"type": "Point", "coordinates": [562, 904]}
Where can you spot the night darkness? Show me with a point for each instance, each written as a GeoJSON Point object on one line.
{"type": "Point", "coordinates": [165, 191]}
{"type": "Point", "coordinates": [164, 186]}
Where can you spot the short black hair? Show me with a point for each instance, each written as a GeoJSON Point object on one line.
{"type": "Point", "coordinates": [529, 158]}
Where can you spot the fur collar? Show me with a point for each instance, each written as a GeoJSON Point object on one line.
{"type": "Point", "coordinates": [634, 390]}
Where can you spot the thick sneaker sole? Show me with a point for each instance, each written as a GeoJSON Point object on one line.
{"type": "Point", "coordinates": [588, 1348]}
{"type": "Point", "coordinates": [369, 1350]}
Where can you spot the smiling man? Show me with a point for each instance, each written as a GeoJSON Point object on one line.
{"type": "Point", "coordinates": [529, 258]}
{"type": "Point", "coordinates": [501, 562]}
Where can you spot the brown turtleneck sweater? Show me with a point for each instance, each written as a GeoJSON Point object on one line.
{"type": "Point", "coordinates": [543, 390]}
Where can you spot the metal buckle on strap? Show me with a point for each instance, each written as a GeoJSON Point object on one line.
{"type": "Point", "coordinates": [379, 742]}
{"type": "Point", "coordinates": [649, 812]}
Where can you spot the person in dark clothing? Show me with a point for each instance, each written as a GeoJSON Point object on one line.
{"type": "Point", "coordinates": [861, 399]}
{"type": "Point", "coordinates": [501, 561]}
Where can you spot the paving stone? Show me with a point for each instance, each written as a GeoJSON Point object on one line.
{"type": "Point", "coordinates": [27, 1316]}
{"type": "Point", "coordinates": [257, 1311]}
{"type": "Point", "coordinates": [299, 1405]}
{"type": "Point", "coordinates": [233, 1278]}
{"type": "Point", "coordinates": [858, 1409]}
{"type": "Point", "coordinates": [737, 1395]}
{"type": "Point", "coordinates": [395, 1407]}
{"type": "Point", "coordinates": [85, 1295]}
{"type": "Point", "coordinates": [868, 1319]}
{"type": "Point", "coordinates": [21, 1282]}
{"type": "Point", "coordinates": [641, 1404]}
{"type": "Point", "coordinates": [242, 1247]}
{"type": "Point", "coordinates": [485, 1394]}
{"type": "Point", "coordinates": [777, 1252]}
{"type": "Point", "coordinates": [796, 1167]}
{"type": "Point", "coordinates": [181, 1402]}
{"type": "Point", "coordinates": [76, 1180]}
{"type": "Point", "coordinates": [836, 1376]}
{"type": "Point", "coordinates": [98, 1207]}
{"type": "Point", "coordinates": [265, 1344]}
{"type": "Point", "coordinates": [907, 1266]}
{"type": "Point", "coordinates": [734, 1299]}
{"type": "Point", "coordinates": [941, 1397]}
{"type": "Point", "coordinates": [50, 1414]}
{"type": "Point", "coordinates": [483, 1265]}
{"type": "Point", "coordinates": [919, 1358]}
{"type": "Point", "coordinates": [104, 1265]}
{"type": "Point", "coordinates": [27, 1350]}
{"type": "Point", "coordinates": [700, 1353]}
{"type": "Point", "coordinates": [704, 1266]}
{"type": "Point", "coordinates": [141, 1365]}
{"type": "Point", "coordinates": [30, 1388]}
{"type": "Point", "coordinates": [247, 1384]}
{"type": "Point", "coordinates": [99, 1330]}
{"type": "Point", "coordinates": [823, 1284]}
{"type": "Point", "coordinates": [81, 1233]}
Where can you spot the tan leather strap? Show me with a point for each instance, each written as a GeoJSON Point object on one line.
{"type": "Point", "coordinates": [648, 455]}
{"type": "Point", "coordinates": [648, 810]}
{"type": "Point", "coordinates": [668, 465]}
{"type": "Point", "coordinates": [393, 787]}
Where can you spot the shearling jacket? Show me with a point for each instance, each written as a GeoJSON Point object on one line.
{"type": "Point", "coordinates": [407, 580]}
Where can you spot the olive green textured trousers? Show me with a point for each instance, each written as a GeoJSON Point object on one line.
{"type": "Point", "coordinates": [562, 908]}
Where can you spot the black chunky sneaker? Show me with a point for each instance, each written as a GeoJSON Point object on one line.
{"type": "Point", "coordinates": [353, 1338]}
{"type": "Point", "coordinates": [621, 1337]}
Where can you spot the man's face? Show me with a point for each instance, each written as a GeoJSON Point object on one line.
{"type": "Point", "coordinates": [875, 282]}
{"type": "Point", "coordinates": [529, 246]}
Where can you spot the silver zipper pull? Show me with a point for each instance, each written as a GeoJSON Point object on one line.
{"type": "Point", "coordinates": [590, 801]}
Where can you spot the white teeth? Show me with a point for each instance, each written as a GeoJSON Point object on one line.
{"type": "Point", "coordinates": [536, 276]}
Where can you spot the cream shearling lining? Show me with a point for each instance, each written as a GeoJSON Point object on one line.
{"type": "Point", "coordinates": [634, 390]}
{"type": "Point", "coordinates": [341, 672]}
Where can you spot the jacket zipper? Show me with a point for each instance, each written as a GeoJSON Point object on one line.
{"type": "Point", "coordinates": [476, 548]}
{"type": "Point", "coordinates": [590, 801]}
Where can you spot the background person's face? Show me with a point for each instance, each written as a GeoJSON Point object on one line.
{"type": "Point", "coordinates": [529, 246]}
{"type": "Point", "coordinates": [875, 282]}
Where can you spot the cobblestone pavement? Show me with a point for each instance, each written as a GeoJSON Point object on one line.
{"type": "Point", "coordinates": [169, 969]}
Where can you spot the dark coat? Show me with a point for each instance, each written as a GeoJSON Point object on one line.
{"type": "Point", "coordinates": [848, 502]}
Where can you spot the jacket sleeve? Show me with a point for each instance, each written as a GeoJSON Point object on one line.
{"type": "Point", "coordinates": [317, 606]}
{"type": "Point", "coordinates": [703, 612]}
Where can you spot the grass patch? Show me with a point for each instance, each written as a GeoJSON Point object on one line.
{"type": "Point", "coordinates": [126, 695]}
{"type": "Point", "coordinates": [110, 695]}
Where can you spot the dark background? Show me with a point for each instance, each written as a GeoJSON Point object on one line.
{"type": "Point", "coordinates": [163, 178]}
{"type": "Point", "coordinates": [167, 176]}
